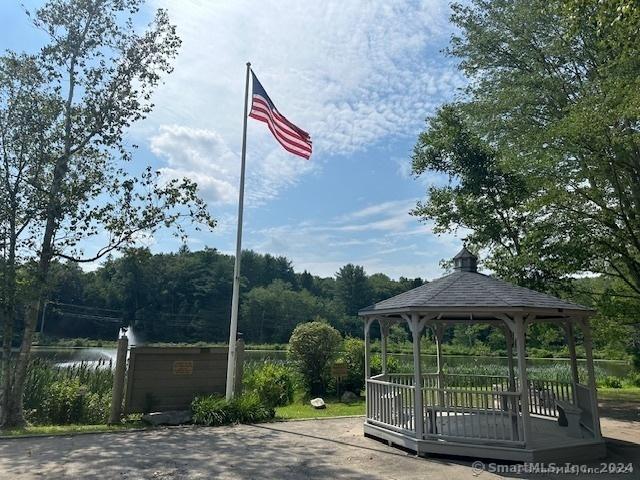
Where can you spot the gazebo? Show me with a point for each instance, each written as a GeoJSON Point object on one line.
{"type": "Point", "coordinates": [509, 417]}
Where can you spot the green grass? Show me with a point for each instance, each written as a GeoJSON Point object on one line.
{"type": "Point", "coordinates": [69, 429]}
{"type": "Point", "coordinates": [298, 410]}
{"type": "Point", "coordinates": [47, 341]}
{"type": "Point", "coordinates": [248, 346]}
{"type": "Point", "coordinates": [295, 411]}
{"type": "Point", "coordinates": [626, 394]}
{"type": "Point", "coordinates": [80, 394]}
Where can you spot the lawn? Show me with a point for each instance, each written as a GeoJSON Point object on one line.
{"type": "Point", "coordinates": [627, 394]}
{"type": "Point", "coordinates": [68, 429]}
{"type": "Point", "coordinates": [299, 410]}
{"type": "Point", "coordinates": [296, 411]}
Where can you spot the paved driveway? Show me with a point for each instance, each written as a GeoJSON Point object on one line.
{"type": "Point", "coordinates": [318, 449]}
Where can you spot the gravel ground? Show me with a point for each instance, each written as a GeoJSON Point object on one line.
{"type": "Point", "coordinates": [316, 449]}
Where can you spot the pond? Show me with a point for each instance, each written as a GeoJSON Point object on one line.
{"type": "Point", "coordinates": [68, 356]}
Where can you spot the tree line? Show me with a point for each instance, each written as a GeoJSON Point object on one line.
{"type": "Point", "coordinates": [185, 297]}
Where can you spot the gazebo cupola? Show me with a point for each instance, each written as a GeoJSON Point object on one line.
{"type": "Point", "coordinates": [506, 416]}
{"type": "Point", "coordinates": [465, 261]}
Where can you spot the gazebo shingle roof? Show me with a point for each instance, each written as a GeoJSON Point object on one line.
{"type": "Point", "coordinates": [469, 289]}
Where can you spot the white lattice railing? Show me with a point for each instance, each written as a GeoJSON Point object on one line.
{"type": "Point", "coordinates": [478, 407]}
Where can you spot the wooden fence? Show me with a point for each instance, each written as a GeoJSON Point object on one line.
{"type": "Point", "coordinates": [168, 378]}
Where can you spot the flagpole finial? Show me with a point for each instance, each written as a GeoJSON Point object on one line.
{"type": "Point", "coordinates": [248, 64]}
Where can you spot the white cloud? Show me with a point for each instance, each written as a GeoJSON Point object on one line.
{"type": "Point", "coordinates": [381, 237]}
{"type": "Point", "coordinates": [351, 73]}
{"type": "Point", "coordinates": [204, 156]}
{"type": "Point", "coordinates": [201, 155]}
{"type": "Point", "coordinates": [393, 206]}
{"type": "Point", "coordinates": [404, 167]}
{"type": "Point", "coordinates": [389, 217]}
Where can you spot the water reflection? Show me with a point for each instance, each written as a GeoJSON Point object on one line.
{"type": "Point", "coordinates": [69, 356]}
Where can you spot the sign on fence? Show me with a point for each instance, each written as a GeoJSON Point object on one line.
{"type": "Point", "coordinates": [339, 370]}
{"type": "Point", "coordinates": [183, 367]}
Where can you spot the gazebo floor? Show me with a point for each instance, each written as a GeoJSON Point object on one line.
{"type": "Point", "coordinates": [549, 442]}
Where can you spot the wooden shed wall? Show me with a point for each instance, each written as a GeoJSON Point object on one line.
{"type": "Point", "coordinates": [168, 378]}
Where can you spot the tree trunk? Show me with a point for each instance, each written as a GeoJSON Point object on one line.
{"type": "Point", "coordinates": [5, 372]}
{"type": "Point", "coordinates": [15, 412]}
{"type": "Point", "coordinates": [8, 313]}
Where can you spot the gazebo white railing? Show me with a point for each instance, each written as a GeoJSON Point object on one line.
{"type": "Point", "coordinates": [472, 399]}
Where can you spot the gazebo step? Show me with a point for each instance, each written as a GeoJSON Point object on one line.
{"type": "Point", "coordinates": [577, 450]}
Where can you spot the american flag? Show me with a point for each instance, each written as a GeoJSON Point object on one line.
{"type": "Point", "coordinates": [293, 139]}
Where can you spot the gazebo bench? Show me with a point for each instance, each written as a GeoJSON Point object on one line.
{"type": "Point", "coordinates": [569, 416]}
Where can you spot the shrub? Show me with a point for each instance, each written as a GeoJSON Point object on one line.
{"type": "Point", "coordinates": [64, 402]}
{"type": "Point", "coordinates": [58, 395]}
{"type": "Point", "coordinates": [634, 379]}
{"type": "Point", "coordinates": [271, 382]}
{"type": "Point", "coordinates": [539, 352]}
{"type": "Point", "coordinates": [312, 347]}
{"type": "Point", "coordinates": [97, 408]}
{"type": "Point", "coordinates": [210, 410]}
{"type": "Point", "coordinates": [249, 409]}
{"type": "Point", "coordinates": [353, 356]}
{"type": "Point", "coordinates": [611, 382]}
{"type": "Point", "coordinates": [213, 410]}
{"type": "Point", "coordinates": [480, 350]}
{"type": "Point", "coordinates": [635, 358]}
{"type": "Point", "coordinates": [393, 365]}
{"type": "Point", "coordinates": [69, 401]}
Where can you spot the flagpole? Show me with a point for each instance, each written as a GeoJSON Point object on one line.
{"type": "Point", "coordinates": [235, 299]}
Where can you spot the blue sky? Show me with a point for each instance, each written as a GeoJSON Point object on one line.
{"type": "Point", "coordinates": [360, 76]}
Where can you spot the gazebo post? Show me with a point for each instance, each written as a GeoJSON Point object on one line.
{"type": "Point", "coordinates": [588, 352]}
{"type": "Point", "coordinates": [416, 326]}
{"type": "Point", "coordinates": [571, 342]}
{"type": "Point", "coordinates": [439, 333]}
{"type": "Point", "coordinates": [512, 404]}
{"type": "Point", "coordinates": [384, 336]}
{"type": "Point", "coordinates": [520, 337]}
{"type": "Point", "coordinates": [508, 335]}
{"type": "Point", "coordinates": [367, 348]}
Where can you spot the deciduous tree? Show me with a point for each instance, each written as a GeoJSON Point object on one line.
{"type": "Point", "coordinates": [95, 78]}
{"type": "Point", "coordinates": [543, 149]}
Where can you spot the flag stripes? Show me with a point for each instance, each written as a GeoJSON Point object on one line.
{"type": "Point", "coordinates": [292, 138]}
